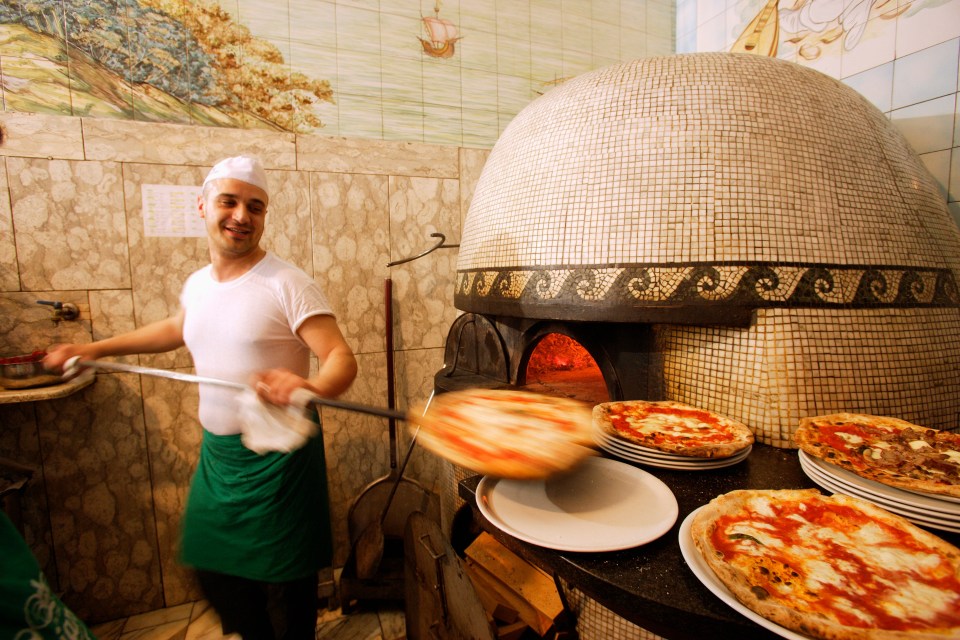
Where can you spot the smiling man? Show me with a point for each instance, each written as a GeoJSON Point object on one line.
{"type": "Point", "coordinates": [256, 526]}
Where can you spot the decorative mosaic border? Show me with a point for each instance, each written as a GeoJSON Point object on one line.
{"type": "Point", "coordinates": [750, 285]}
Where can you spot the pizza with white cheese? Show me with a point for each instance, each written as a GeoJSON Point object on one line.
{"type": "Point", "coordinates": [887, 450]}
{"type": "Point", "coordinates": [831, 567]}
{"type": "Point", "coordinates": [506, 433]}
{"type": "Point", "coordinates": [673, 427]}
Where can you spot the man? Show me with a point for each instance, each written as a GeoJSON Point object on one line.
{"type": "Point", "coordinates": [255, 526]}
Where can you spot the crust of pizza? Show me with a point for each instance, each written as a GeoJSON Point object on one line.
{"type": "Point", "coordinates": [697, 433]}
{"type": "Point", "coordinates": [892, 451]}
{"type": "Point", "coordinates": [506, 433]}
{"type": "Point", "coordinates": [824, 586]}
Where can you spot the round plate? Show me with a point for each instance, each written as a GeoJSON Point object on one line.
{"type": "Point", "coordinates": [677, 463]}
{"type": "Point", "coordinates": [705, 574]}
{"type": "Point", "coordinates": [610, 443]}
{"type": "Point", "coordinates": [918, 516]}
{"type": "Point", "coordinates": [602, 505]}
{"type": "Point", "coordinates": [927, 501]}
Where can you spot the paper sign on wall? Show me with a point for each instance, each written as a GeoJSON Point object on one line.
{"type": "Point", "coordinates": [170, 211]}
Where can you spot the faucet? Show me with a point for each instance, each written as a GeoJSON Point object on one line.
{"type": "Point", "coordinates": [62, 310]}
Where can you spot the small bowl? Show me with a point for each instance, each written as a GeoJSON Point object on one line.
{"type": "Point", "coordinates": [26, 371]}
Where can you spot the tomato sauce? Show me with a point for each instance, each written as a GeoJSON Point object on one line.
{"type": "Point", "coordinates": [714, 434]}
{"type": "Point", "coordinates": [867, 587]}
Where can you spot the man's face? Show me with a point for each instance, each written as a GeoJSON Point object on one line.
{"type": "Point", "coordinates": [234, 212]}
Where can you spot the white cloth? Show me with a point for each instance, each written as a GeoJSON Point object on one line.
{"type": "Point", "coordinates": [268, 427]}
{"type": "Point", "coordinates": [244, 168]}
{"type": "Point", "coordinates": [234, 329]}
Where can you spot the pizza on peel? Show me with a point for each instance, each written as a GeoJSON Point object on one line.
{"type": "Point", "coordinates": [506, 433]}
{"type": "Point", "coordinates": [673, 427]}
{"type": "Point", "coordinates": [887, 450]}
{"type": "Point", "coordinates": [831, 567]}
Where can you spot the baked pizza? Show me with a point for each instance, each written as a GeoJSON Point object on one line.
{"type": "Point", "coordinates": [831, 566]}
{"type": "Point", "coordinates": [506, 433]}
{"type": "Point", "coordinates": [887, 450]}
{"type": "Point", "coordinates": [673, 427]}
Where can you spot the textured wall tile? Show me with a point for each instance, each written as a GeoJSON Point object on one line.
{"type": "Point", "coordinates": [111, 313]}
{"type": "Point", "coordinates": [41, 136]}
{"type": "Point", "coordinates": [415, 372]}
{"type": "Point", "coordinates": [123, 141]}
{"type": "Point", "coordinates": [345, 155]}
{"type": "Point", "coordinates": [98, 482]}
{"type": "Point", "coordinates": [471, 166]}
{"type": "Point", "coordinates": [26, 326]}
{"type": "Point", "coordinates": [9, 271]}
{"type": "Point", "coordinates": [357, 447]}
{"type": "Point", "coordinates": [351, 252]}
{"type": "Point", "coordinates": [70, 224]}
{"type": "Point", "coordinates": [423, 288]}
{"type": "Point", "coordinates": [173, 436]}
{"type": "Point", "coordinates": [287, 227]}
{"type": "Point", "coordinates": [160, 265]}
{"type": "Point", "coordinates": [20, 442]}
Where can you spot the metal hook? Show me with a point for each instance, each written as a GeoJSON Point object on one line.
{"type": "Point", "coordinates": [439, 245]}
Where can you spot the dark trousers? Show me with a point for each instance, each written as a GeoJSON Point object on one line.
{"type": "Point", "coordinates": [262, 610]}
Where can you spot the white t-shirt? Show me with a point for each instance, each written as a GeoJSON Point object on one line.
{"type": "Point", "coordinates": [242, 326]}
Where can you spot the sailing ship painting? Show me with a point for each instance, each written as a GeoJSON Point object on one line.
{"type": "Point", "coordinates": [442, 35]}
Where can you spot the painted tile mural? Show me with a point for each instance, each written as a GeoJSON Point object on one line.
{"type": "Point", "coordinates": [902, 55]}
{"type": "Point", "coordinates": [437, 71]}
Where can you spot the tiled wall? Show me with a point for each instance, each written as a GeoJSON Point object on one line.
{"type": "Point", "coordinates": [117, 456]}
{"type": "Point", "coordinates": [384, 83]}
{"type": "Point", "coordinates": [902, 55]}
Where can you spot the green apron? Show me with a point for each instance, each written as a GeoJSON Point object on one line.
{"type": "Point", "coordinates": [262, 517]}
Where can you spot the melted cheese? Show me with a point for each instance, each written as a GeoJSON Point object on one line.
{"type": "Point", "coordinates": [819, 573]}
{"type": "Point", "coordinates": [914, 599]}
{"type": "Point", "coordinates": [851, 438]}
{"type": "Point", "coordinates": [833, 560]}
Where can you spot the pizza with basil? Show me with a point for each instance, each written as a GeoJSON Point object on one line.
{"type": "Point", "coordinates": [831, 566]}
{"type": "Point", "coordinates": [506, 433]}
{"type": "Point", "coordinates": [673, 427]}
{"type": "Point", "coordinates": [887, 450]}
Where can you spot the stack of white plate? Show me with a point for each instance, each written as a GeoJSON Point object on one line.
{"type": "Point", "coordinates": [626, 450]}
{"type": "Point", "coordinates": [926, 509]}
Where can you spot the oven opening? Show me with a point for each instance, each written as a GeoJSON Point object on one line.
{"type": "Point", "coordinates": [560, 366]}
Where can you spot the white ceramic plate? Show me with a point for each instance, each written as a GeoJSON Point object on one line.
{"type": "Point", "coordinates": [705, 574]}
{"type": "Point", "coordinates": [609, 446]}
{"type": "Point", "coordinates": [925, 501]}
{"type": "Point", "coordinates": [674, 462]}
{"type": "Point", "coordinates": [677, 466]}
{"type": "Point", "coordinates": [909, 506]}
{"type": "Point", "coordinates": [601, 505]}
{"type": "Point", "coordinates": [611, 442]}
{"type": "Point", "coordinates": [928, 519]}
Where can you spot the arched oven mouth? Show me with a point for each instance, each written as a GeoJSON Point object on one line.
{"type": "Point", "coordinates": [589, 361]}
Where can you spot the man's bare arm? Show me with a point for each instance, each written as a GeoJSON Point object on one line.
{"type": "Point", "coordinates": [156, 337]}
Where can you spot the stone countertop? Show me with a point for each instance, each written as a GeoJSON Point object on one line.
{"type": "Point", "coordinates": [651, 585]}
{"type": "Point", "coordinates": [52, 392]}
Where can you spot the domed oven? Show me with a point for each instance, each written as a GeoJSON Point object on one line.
{"type": "Point", "coordinates": [731, 231]}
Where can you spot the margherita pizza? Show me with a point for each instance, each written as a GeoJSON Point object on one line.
{"type": "Point", "coordinates": [673, 427]}
{"type": "Point", "coordinates": [506, 433]}
{"type": "Point", "coordinates": [887, 450]}
{"type": "Point", "coordinates": [831, 566]}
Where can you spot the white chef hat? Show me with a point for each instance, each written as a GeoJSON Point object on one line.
{"type": "Point", "coordinates": [244, 168]}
